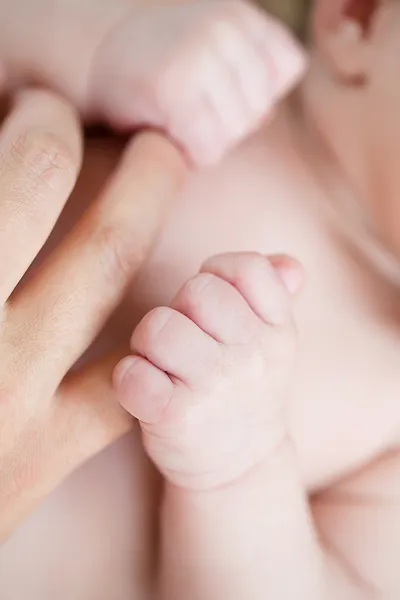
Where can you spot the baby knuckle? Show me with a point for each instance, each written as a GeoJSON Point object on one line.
{"type": "Point", "coordinates": [251, 265]}
{"type": "Point", "coordinates": [152, 86]}
{"type": "Point", "coordinates": [234, 9]}
{"type": "Point", "coordinates": [153, 326]}
{"type": "Point", "coordinates": [198, 290]}
{"type": "Point", "coordinates": [165, 88]}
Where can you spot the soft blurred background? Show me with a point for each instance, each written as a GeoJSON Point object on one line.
{"type": "Point", "coordinates": [292, 12]}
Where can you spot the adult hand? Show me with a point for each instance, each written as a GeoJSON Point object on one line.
{"type": "Point", "coordinates": [50, 423]}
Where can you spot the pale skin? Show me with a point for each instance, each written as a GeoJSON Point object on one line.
{"type": "Point", "coordinates": [305, 187]}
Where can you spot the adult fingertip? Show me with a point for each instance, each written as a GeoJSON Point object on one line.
{"type": "Point", "coordinates": [153, 149]}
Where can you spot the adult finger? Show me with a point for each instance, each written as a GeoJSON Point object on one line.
{"type": "Point", "coordinates": [40, 157]}
{"type": "Point", "coordinates": [83, 419]}
{"type": "Point", "coordinates": [66, 304]}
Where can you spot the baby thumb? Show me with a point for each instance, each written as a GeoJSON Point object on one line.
{"type": "Point", "coordinates": [289, 271]}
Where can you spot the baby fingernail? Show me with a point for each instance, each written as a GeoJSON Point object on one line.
{"type": "Point", "coordinates": [289, 272]}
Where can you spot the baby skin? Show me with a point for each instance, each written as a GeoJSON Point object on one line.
{"type": "Point", "coordinates": [280, 467]}
{"type": "Point", "coordinates": [208, 382]}
{"type": "Point", "coordinates": [207, 73]}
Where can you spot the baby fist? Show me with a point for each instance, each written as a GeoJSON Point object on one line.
{"type": "Point", "coordinates": [206, 73]}
{"type": "Point", "coordinates": [207, 377]}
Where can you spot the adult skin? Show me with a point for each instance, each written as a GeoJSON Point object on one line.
{"type": "Point", "coordinates": [50, 423]}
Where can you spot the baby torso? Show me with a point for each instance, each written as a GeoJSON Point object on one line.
{"type": "Point", "coordinates": [94, 537]}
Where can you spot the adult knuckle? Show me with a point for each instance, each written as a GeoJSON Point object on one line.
{"type": "Point", "coordinates": [8, 417]}
{"type": "Point", "coordinates": [43, 157]}
{"type": "Point", "coordinates": [16, 428]}
{"type": "Point", "coordinates": [117, 254]}
{"type": "Point", "coordinates": [14, 386]}
{"type": "Point", "coordinates": [25, 468]}
{"type": "Point", "coordinates": [21, 435]}
{"type": "Point", "coordinates": [7, 396]}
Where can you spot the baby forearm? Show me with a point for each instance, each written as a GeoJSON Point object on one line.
{"type": "Point", "coordinates": [253, 540]}
{"type": "Point", "coordinates": [235, 519]}
{"type": "Point", "coordinates": [52, 42]}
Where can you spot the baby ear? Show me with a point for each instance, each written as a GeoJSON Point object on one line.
{"type": "Point", "coordinates": [342, 31]}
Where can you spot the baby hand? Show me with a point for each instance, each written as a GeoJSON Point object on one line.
{"type": "Point", "coordinates": [205, 72]}
{"type": "Point", "coordinates": [208, 376]}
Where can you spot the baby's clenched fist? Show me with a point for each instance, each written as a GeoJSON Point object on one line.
{"type": "Point", "coordinates": [205, 72]}
{"type": "Point", "coordinates": [207, 377]}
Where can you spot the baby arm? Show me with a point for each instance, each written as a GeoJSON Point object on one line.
{"type": "Point", "coordinates": [208, 380]}
{"type": "Point", "coordinates": [205, 72]}
{"type": "Point", "coordinates": [251, 539]}
{"type": "Point", "coordinates": [52, 42]}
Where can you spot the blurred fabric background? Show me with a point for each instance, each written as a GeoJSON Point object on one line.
{"type": "Point", "coordinates": [292, 12]}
